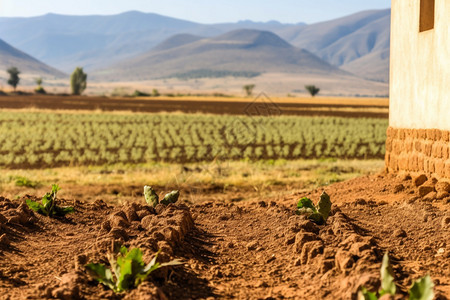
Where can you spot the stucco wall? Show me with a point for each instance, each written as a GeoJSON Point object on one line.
{"type": "Point", "coordinates": [420, 67]}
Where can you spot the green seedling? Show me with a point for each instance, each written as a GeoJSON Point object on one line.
{"type": "Point", "coordinates": [48, 206]}
{"type": "Point", "coordinates": [171, 197]}
{"type": "Point", "coordinates": [422, 289]}
{"type": "Point", "coordinates": [150, 195]}
{"type": "Point", "coordinates": [318, 214]}
{"type": "Point", "coordinates": [127, 271]}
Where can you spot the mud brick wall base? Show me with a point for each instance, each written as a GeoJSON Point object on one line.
{"type": "Point", "coordinates": [418, 150]}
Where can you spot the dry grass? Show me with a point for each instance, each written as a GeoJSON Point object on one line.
{"type": "Point", "coordinates": [257, 177]}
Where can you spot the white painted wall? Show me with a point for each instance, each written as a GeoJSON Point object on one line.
{"type": "Point", "coordinates": [420, 67]}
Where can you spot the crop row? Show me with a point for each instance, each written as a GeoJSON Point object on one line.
{"type": "Point", "coordinates": [48, 139]}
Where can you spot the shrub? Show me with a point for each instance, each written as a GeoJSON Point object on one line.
{"type": "Point", "coordinates": [138, 93]}
{"type": "Point", "coordinates": [248, 88]}
{"type": "Point", "coordinates": [312, 89]}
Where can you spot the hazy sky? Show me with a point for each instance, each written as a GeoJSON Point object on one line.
{"type": "Point", "coordinates": [203, 11]}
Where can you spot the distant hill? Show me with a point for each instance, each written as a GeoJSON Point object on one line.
{"type": "Point", "coordinates": [246, 51]}
{"type": "Point", "coordinates": [358, 43]}
{"type": "Point", "coordinates": [12, 57]}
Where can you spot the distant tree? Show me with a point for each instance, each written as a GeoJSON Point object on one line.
{"type": "Point", "coordinates": [38, 81]}
{"type": "Point", "coordinates": [156, 93]}
{"type": "Point", "coordinates": [13, 77]}
{"type": "Point", "coordinates": [78, 81]}
{"type": "Point", "coordinates": [312, 89]}
{"type": "Point", "coordinates": [248, 88]}
{"type": "Point", "coordinates": [39, 89]}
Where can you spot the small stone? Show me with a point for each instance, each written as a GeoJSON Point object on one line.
{"type": "Point", "coordinates": [419, 180]}
{"type": "Point", "coordinates": [399, 188]}
{"type": "Point", "coordinates": [230, 245]}
{"type": "Point", "coordinates": [399, 233]}
{"type": "Point", "coordinates": [360, 201]}
{"type": "Point", "coordinates": [442, 186]}
{"type": "Point", "coordinates": [425, 189]}
{"type": "Point", "coordinates": [262, 204]}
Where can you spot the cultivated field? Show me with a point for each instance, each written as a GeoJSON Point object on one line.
{"type": "Point", "coordinates": [44, 139]}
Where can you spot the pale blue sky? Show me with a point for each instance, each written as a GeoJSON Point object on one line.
{"type": "Point", "coordinates": [203, 11]}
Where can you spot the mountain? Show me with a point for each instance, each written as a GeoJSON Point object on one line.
{"type": "Point", "coordinates": [93, 41]}
{"type": "Point", "coordinates": [358, 43]}
{"type": "Point", "coordinates": [12, 57]}
{"type": "Point", "coordinates": [240, 51]}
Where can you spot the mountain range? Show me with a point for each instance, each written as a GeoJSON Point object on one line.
{"type": "Point", "coordinates": [241, 51]}
{"type": "Point", "coordinates": [10, 56]}
{"type": "Point", "coordinates": [358, 44]}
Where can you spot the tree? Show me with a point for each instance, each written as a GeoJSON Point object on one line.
{"type": "Point", "coordinates": [13, 77]}
{"type": "Point", "coordinates": [39, 89]}
{"type": "Point", "coordinates": [78, 81]}
{"type": "Point", "coordinates": [248, 89]}
{"type": "Point", "coordinates": [312, 89]}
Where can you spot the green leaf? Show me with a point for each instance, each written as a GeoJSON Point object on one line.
{"type": "Point", "coordinates": [150, 195]}
{"type": "Point", "coordinates": [55, 189]}
{"type": "Point", "coordinates": [324, 205]}
{"type": "Point", "coordinates": [124, 281]}
{"type": "Point", "coordinates": [306, 203]}
{"type": "Point", "coordinates": [171, 197]}
{"type": "Point", "coordinates": [62, 211]}
{"type": "Point", "coordinates": [123, 250]}
{"type": "Point", "coordinates": [96, 270]}
{"type": "Point", "coordinates": [364, 294]}
{"type": "Point", "coordinates": [34, 205]}
{"type": "Point", "coordinates": [387, 279]}
{"type": "Point", "coordinates": [422, 289]}
{"type": "Point", "coordinates": [101, 274]}
{"type": "Point", "coordinates": [135, 255]}
{"type": "Point", "coordinates": [47, 200]}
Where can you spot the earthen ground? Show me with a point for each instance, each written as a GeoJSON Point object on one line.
{"type": "Point", "coordinates": [255, 249]}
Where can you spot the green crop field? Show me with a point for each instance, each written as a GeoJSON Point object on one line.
{"type": "Point", "coordinates": [41, 139]}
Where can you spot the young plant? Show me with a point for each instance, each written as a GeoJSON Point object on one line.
{"type": "Point", "coordinates": [318, 214]}
{"type": "Point", "coordinates": [49, 205]}
{"type": "Point", "coordinates": [127, 271]}
{"type": "Point", "coordinates": [150, 195]}
{"type": "Point", "coordinates": [152, 198]}
{"type": "Point", "coordinates": [422, 289]}
{"type": "Point", "coordinates": [171, 197]}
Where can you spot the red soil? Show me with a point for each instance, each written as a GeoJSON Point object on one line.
{"type": "Point", "coordinates": [248, 250]}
